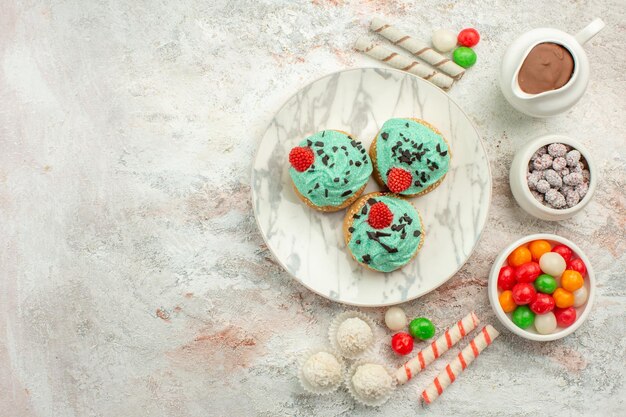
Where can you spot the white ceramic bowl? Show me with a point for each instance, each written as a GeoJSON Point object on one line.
{"type": "Point", "coordinates": [581, 312]}
{"type": "Point", "coordinates": [519, 185]}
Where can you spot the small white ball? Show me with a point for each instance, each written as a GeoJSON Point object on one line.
{"type": "Point", "coordinates": [552, 263]}
{"type": "Point", "coordinates": [545, 323]}
{"type": "Point", "coordinates": [395, 319]}
{"type": "Point", "coordinates": [580, 296]}
{"type": "Point", "coordinates": [444, 40]}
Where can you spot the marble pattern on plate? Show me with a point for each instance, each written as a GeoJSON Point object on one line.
{"type": "Point", "coordinates": [310, 245]}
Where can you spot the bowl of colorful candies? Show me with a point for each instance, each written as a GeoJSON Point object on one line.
{"type": "Point", "coordinates": [542, 287]}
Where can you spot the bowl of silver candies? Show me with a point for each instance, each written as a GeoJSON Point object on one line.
{"type": "Point", "coordinates": [553, 177]}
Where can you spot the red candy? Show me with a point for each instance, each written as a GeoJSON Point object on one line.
{"type": "Point", "coordinates": [468, 37]}
{"type": "Point", "coordinates": [506, 278]}
{"type": "Point", "coordinates": [542, 304]}
{"type": "Point", "coordinates": [301, 158]}
{"type": "Point", "coordinates": [577, 265]}
{"type": "Point", "coordinates": [399, 180]}
{"type": "Point", "coordinates": [523, 293]}
{"type": "Point", "coordinates": [564, 251]}
{"type": "Point", "coordinates": [380, 216]}
{"type": "Point", "coordinates": [527, 272]}
{"type": "Point", "coordinates": [565, 316]}
{"type": "Point", "coordinates": [402, 343]}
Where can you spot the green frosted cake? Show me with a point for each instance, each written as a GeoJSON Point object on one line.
{"type": "Point", "coordinates": [383, 231]}
{"type": "Point", "coordinates": [329, 170]}
{"type": "Point", "coordinates": [410, 157]}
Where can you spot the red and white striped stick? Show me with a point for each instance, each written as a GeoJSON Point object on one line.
{"type": "Point", "coordinates": [458, 364]}
{"type": "Point", "coordinates": [403, 63]}
{"type": "Point", "coordinates": [437, 348]}
{"type": "Point", "coordinates": [418, 48]}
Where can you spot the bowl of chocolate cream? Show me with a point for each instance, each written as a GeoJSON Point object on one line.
{"type": "Point", "coordinates": [545, 71]}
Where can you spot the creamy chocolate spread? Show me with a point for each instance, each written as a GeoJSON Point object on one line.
{"type": "Point", "coordinates": [548, 66]}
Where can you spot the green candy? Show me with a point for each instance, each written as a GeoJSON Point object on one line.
{"type": "Point", "coordinates": [523, 317]}
{"type": "Point", "coordinates": [422, 328]}
{"type": "Point", "coordinates": [464, 56]}
{"type": "Point", "coordinates": [545, 283]}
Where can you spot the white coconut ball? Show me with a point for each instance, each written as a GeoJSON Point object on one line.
{"type": "Point", "coordinates": [354, 335]}
{"type": "Point", "coordinates": [371, 381]}
{"type": "Point", "coordinates": [322, 370]}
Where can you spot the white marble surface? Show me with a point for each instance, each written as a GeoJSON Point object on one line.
{"type": "Point", "coordinates": [133, 280]}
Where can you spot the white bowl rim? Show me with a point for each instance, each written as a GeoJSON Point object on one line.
{"type": "Point", "coordinates": [531, 147]}
{"type": "Point", "coordinates": [493, 289]}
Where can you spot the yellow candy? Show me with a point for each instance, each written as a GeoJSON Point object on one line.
{"type": "Point", "coordinates": [506, 301]}
{"type": "Point", "coordinates": [519, 256]}
{"type": "Point", "coordinates": [563, 298]}
{"type": "Point", "coordinates": [572, 280]}
{"type": "Point", "coordinates": [538, 248]}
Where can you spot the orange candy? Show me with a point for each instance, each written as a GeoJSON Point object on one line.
{"type": "Point", "coordinates": [506, 301]}
{"type": "Point", "coordinates": [571, 280]}
{"type": "Point", "coordinates": [519, 256]}
{"type": "Point", "coordinates": [563, 298]}
{"type": "Point", "coordinates": [538, 248]}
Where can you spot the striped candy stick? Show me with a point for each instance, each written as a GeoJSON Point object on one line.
{"type": "Point", "coordinates": [458, 364]}
{"type": "Point", "coordinates": [416, 47]}
{"type": "Point", "coordinates": [437, 348]}
{"type": "Point", "coordinates": [403, 63]}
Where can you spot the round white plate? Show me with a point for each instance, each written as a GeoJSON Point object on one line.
{"type": "Point", "coordinates": [309, 244]}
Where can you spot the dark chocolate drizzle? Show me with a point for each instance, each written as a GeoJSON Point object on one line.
{"type": "Point", "coordinates": [375, 236]}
